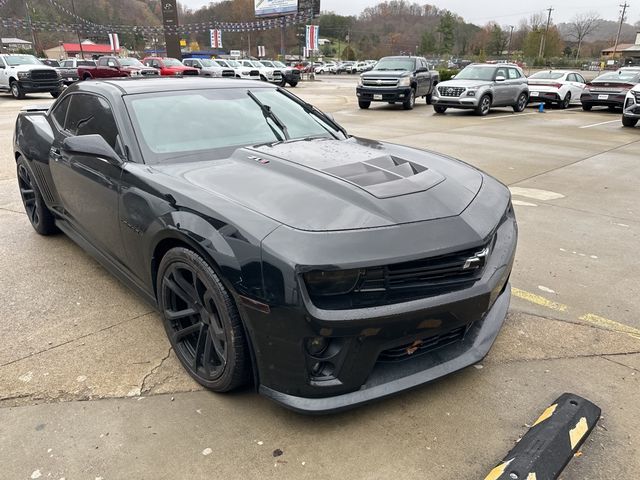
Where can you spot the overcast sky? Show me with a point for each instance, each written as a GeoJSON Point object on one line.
{"type": "Point", "coordinates": [481, 12]}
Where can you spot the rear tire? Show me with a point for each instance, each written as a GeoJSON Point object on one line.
{"type": "Point", "coordinates": [566, 102]}
{"type": "Point", "coordinates": [40, 217]}
{"type": "Point", "coordinates": [521, 104]}
{"type": "Point", "coordinates": [586, 107]}
{"type": "Point", "coordinates": [410, 102]}
{"type": "Point", "coordinates": [293, 84]}
{"type": "Point", "coordinates": [363, 104]}
{"type": "Point", "coordinates": [202, 321]}
{"type": "Point", "coordinates": [439, 109]}
{"type": "Point", "coordinates": [484, 106]}
{"type": "Point", "coordinates": [629, 122]}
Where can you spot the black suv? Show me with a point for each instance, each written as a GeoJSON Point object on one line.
{"type": "Point", "coordinates": [397, 79]}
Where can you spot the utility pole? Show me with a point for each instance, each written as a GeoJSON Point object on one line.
{"type": "Point", "coordinates": [283, 50]}
{"type": "Point", "coordinates": [33, 33]}
{"type": "Point", "coordinates": [543, 40]}
{"type": "Point", "coordinates": [510, 38]}
{"type": "Point", "coordinates": [622, 19]}
{"type": "Point", "coordinates": [73, 9]}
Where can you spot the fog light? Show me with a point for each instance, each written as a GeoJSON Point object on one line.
{"type": "Point", "coordinates": [317, 345]}
{"type": "Point", "coordinates": [322, 369]}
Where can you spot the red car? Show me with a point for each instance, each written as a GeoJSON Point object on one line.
{"type": "Point", "coordinates": [170, 66]}
{"type": "Point", "coordinates": [114, 67]}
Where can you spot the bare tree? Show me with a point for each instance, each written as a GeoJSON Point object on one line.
{"type": "Point", "coordinates": [581, 26]}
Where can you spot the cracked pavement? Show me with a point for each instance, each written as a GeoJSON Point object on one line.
{"type": "Point", "coordinates": [89, 386]}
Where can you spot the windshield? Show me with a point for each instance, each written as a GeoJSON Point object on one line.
{"type": "Point", "coordinates": [396, 64]}
{"type": "Point", "coordinates": [222, 62]}
{"type": "Point", "coordinates": [183, 124]}
{"type": "Point", "coordinates": [15, 60]}
{"type": "Point", "coordinates": [628, 76]}
{"type": "Point", "coordinates": [208, 63]}
{"type": "Point", "coordinates": [233, 63]}
{"type": "Point", "coordinates": [476, 73]}
{"type": "Point", "coordinates": [172, 62]}
{"type": "Point", "coordinates": [280, 64]}
{"type": "Point", "coordinates": [548, 75]}
{"type": "Point", "coordinates": [256, 64]}
{"type": "Point", "coordinates": [130, 62]}
{"type": "Point", "coordinates": [267, 64]}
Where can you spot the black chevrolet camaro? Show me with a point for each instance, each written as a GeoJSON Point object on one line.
{"type": "Point", "coordinates": [326, 269]}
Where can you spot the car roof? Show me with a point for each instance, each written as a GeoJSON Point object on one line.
{"type": "Point", "coordinates": [133, 86]}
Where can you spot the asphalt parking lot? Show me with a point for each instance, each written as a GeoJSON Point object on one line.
{"type": "Point", "coordinates": [89, 387]}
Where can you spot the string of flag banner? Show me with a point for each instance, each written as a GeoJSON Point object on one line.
{"type": "Point", "coordinates": [87, 26]}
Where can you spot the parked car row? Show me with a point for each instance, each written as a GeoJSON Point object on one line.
{"type": "Point", "coordinates": [480, 87]}
{"type": "Point", "coordinates": [337, 68]}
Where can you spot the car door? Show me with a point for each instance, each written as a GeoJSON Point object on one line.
{"type": "Point", "coordinates": [89, 186]}
{"type": "Point", "coordinates": [501, 89]}
{"type": "Point", "coordinates": [577, 84]}
{"type": "Point", "coordinates": [515, 81]}
{"type": "Point", "coordinates": [422, 78]}
{"type": "Point", "coordinates": [4, 77]}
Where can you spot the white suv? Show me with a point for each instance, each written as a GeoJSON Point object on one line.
{"type": "Point", "coordinates": [267, 74]}
{"type": "Point", "coordinates": [22, 74]}
{"type": "Point", "coordinates": [209, 68]}
{"type": "Point", "coordinates": [631, 110]}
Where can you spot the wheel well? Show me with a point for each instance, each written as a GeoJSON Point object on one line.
{"type": "Point", "coordinates": [12, 79]}
{"type": "Point", "coordinates": [86, 76]}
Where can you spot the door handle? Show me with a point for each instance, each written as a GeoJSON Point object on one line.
{"type": "Point", "coordinates": [55, 153]}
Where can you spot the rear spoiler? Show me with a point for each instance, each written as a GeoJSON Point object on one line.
{"type": "Point", "coordinates": [35, 108]}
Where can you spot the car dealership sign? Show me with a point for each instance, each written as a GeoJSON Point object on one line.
{"type": "Point", "coordinates": [275, 7]}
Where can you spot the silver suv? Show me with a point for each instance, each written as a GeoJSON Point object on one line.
{"type": "Point", "coordinates": [482, 86]}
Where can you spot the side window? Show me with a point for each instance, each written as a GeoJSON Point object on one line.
{"type": "Point", "coordinates": [112, 63]}
{"type": "Point", "coordinates": [513, 74]}
{"type": "Point", "coordinates": [155, 64]}
{"type": "Point", "coordinates": [102, 62]}
{"type": "Point", "coordinates": [59, 113]}
{"type": "Point", "coordinates": [186, 63]}
{"type": "Point", "coordinates": [501, 72]}
{"type": "Point", "coordinates": [89, 115]}
{"type": "Point", "coordinates": [2, 62]}
{"type": "Point", "coordinates": [67, 63]}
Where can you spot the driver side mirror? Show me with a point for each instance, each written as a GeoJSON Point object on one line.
{"type": "Point", "coordinates": [500, 78]}
{"type": "Point", "coordinates": [91, 145]}
{"type": "Point", "coordinates": [422, 70]}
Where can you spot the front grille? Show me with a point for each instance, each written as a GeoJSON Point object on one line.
{"type": "Point", "coordinates": [380, 82]}
{"type": "Point", "coordinates": [451, 91]}
{"type": "Point", "coordinates": [191, 72]}
{"type": "Point", "coordinates": [44, 75]}
{"type": "Point", "coordinates": [421, 347]}
{"type": "Point", "coordinates": [407, 281]}
{"type": "Point", "coordinates": [254, 73]}
{"type": "Point", "coordinates": [295, 73]}
{"type": "Point", "coordinates": [228, 73]}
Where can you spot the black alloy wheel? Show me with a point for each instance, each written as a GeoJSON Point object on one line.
{"type": "Point", "coordinates": [439, 109]}
{"type": "Point", "coordinates": [523, 99]}
{"type": "Point", "coordinates": [628, 121]}
{"type": "Point", "coordinates": [40, 217]}
{"type": "Point", "coordinates": [410, 102]}
{"type": "Point", "coordinates": [202, 322]}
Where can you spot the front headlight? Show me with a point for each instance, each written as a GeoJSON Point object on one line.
{"type": "Point", "coordinates": [178, 74]}
{"type": "Point", "coordinates": [246, 72]}
{"type": "Point", "coordinates": [404, 82]}
{"type": "Point", "coordinates": [471, 93]}
{"type": "Point", "coordinates": [24, 74]}
{"type": "Point", "coordinates": [135, 73]}
{"type": "Point", "coordinates": [327, 283]}
{"type": "Point", "coordinates": [359, 81]}
{"type": "Point", "coordinates": [636, 95]}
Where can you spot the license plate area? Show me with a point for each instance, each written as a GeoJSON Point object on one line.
{"type": "Point", "coordinates": [535, 94]}
{"type": "Point", "coordinates": [377, 96]}
{"type": "Point", "coordinates": [603, 97]}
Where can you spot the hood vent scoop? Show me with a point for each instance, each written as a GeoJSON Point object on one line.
{"type": "Point", "coordinates": [388, 176]}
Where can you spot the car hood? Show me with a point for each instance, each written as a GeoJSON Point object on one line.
{"type": "Point", "coordinates": [328, 185]}
{"type": "Point", "coordinates": [28, 68]}
{"type": "Point", "coordinates": [385, 74]}
{"type": "Point", "coordinates": [465, 83]}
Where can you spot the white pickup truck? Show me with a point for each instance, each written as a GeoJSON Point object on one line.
{"type": "Point", "coordinates": [22, 74]}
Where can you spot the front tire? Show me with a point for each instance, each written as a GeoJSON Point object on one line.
{"type": "Point", "coordinates": [484, 106]}
{"type": "Point", "coordinates": [410, 102]}
{"type": "Point", "coordinates": [586, 107]}
{"type": "Point", "coordinates": [16, 90]}
{"type": "Point", "coordinates": [521, 104]}
{"type": "Point", "coordinates": [364, 104]}
{"type": "Point", "coordinates": [629, 122]}
{"type": "Point", "coordinates": [439, 109]}
{"type": "Point", "coordinates": [293, 84]}
{"type": "Point", "coordinates": [202, 322]}
{"type": "Point", "coordinates": [40, 217]}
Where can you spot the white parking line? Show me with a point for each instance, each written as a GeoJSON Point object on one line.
{"type": "Point", "coordinates": [601, 123]}
{"type": "Point", "coordinates": [510, 116]}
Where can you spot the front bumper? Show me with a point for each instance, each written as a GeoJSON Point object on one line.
{"type": "Point", "coordinates": [603, 99]}
{"type": "Point", "coordinates": [30, 86]}
{"type": "Point", "coordinates": [455, 102]}
{"type": "Point", "coordinates": [396, 94]}
{"type": "Point", "coordinates": [459, 325]}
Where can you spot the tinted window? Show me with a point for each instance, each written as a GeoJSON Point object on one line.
{"type": "Point", "coordinates": [501, 72]}
{"type": "Point", "coordinates": [60, 111]}
{"type": "Point", "coordinates": [112, 63]}
{"type": "Point", "coordinates": [476, 72]}
{"type": "Point", "coordinates": [396, 63]}
{"type": "Point", "coordinates": [90, 114]}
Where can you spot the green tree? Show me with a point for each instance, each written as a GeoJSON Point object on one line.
{"type": "Point", "coordinates": [348, 53]}
{"type": "Point", "coordinates": [446, 30]}
{"type": "Point", "coordinates": [427, 42]}
{"type": "Point", "coordinates": [498, 40]}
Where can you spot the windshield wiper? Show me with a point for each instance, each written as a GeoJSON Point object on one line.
{"type": "Point", "coordinates": [307, 107]}
{"type": "Point", "coordinates": [269, 115]}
